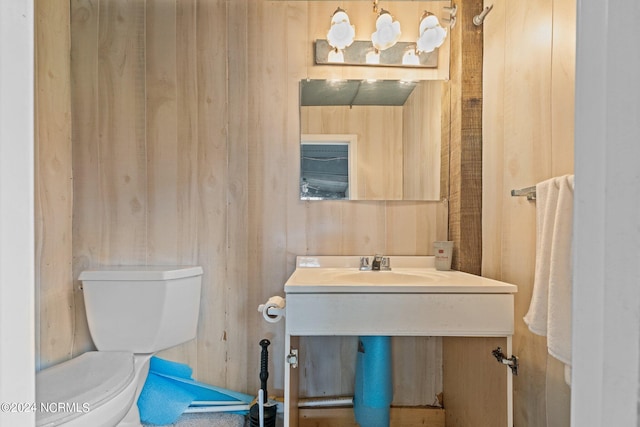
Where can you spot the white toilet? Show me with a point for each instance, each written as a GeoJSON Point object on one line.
{"type": "Point", "coordinates": [133, 312]}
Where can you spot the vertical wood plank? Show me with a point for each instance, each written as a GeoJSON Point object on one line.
{"type": "Point", "coordinates": [494, 191]}
{"type": "Point", "coordinates": [325, 354]}
{"type": "Point", "coordinates": [171, 186]}
{"type": "Point", "coordinates": [563, 66]}
{"type": "Point", "coordinates": [419, 385]}
{"type": "Point", "coordinates": [212, 188]}
{"type": "Point", "coordinates": [53, 184]}
{"type": "Point", "coordinates": [122, 184]}
{"type": "Point", "coordinates": [187, 130]}
{"type": "Point", "coordinates": [86, 160]}
{"type": "Point", "coordinates": [238, 310]}
{"type": "Point", "coordinates": [527, 158]}
{"type": "Point", "coordinates": [162, 145]}
{"type": "Point", "coordinates": [465, 227]}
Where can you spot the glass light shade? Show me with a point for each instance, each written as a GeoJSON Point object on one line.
{"type": "Point", "coordinates": [429, 21]}
{"type": "Point", "coordinates": [373, 57]}
{"type": "Point", "coordinates": [341, 33]}
{"type": "Point", "coordinates": [335, 55]}
{"type": "Point", "coordinates": [387, 31]}
{"type": "Point", "coordinates": [410, 58]}
{"type": "Point", "coordinates": [432, 35]}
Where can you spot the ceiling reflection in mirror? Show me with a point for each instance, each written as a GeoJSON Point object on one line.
{"type": "Point", "coordinates": [370, 140]}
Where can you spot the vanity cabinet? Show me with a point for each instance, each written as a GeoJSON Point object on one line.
{"type": "Point", "coordinates": [326, 296]}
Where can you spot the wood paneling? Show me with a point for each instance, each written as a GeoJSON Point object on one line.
{"type": "Point", "coordinates": [53, 185]}
{"type": "Point", "coordinates": [185, 136]}
{"type": "Point", "coordinates": [528, 126]}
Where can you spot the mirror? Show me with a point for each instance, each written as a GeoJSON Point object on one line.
{"type": "Point", "coordinates": [370, 140]}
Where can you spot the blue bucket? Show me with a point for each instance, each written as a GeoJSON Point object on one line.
{"type": "Point", "coordinates": [374, 386]}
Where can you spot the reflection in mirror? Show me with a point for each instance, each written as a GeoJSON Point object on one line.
{"type": "Point", "coordinates": [397, 128]}
{"type": "Point", "coordinates": [325, 165]}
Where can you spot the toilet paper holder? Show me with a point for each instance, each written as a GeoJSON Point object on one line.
{"type": "Point", "coordinates": [274, 309]}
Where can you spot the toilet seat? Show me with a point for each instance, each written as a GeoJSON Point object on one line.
{"type": "Point", "coordinates": [83, 386]}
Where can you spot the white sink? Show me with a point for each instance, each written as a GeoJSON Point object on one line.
{"type": "Point", "coordinates": [396, 277]}
{"type": "Point", "coordinates": [411, 275]}
{"type": "Point", "coordinates": [329, 296]}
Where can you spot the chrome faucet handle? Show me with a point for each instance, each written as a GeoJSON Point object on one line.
{"type": "Point", "coordinates": [364, 263]}
{"type": "Point", "coordinates": [377, 262]}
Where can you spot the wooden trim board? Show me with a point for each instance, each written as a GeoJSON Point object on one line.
{"type": "Point", "coordinates": [422, 416]}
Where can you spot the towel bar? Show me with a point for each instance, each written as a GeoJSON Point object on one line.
{"type": "Point", "coordinates": [529, 192]}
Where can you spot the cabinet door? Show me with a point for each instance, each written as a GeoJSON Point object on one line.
{"type": "Point", "coordinates": [477, 389]}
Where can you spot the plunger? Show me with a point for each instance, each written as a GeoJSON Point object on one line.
{"type": "Point", "coordinates": [263, 413]}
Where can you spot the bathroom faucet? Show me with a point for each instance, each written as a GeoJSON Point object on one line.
{"type": "Point", "coordinates": [379, 263]}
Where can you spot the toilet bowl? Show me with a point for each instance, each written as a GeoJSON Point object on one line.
{"type": "Point", "coordinates": [132, 312]}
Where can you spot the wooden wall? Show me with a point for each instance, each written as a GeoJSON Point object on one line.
{"type": "Point", "coordinates": [184, 149]}
{"type": "Point", "coordinates": [529, 64]}
{"type": "Point", "coordinates": [152, 160]}
{"type": "Point", "coordinates": [55, 309]}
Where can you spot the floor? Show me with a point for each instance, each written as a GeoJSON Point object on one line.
{"type": "Point", "coordinates": [215, 420]}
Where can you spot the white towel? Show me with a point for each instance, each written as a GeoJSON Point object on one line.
{"type": "Point", "coordinates": [550, 310]}
{"type": "Point", "coordinates": [546, 203]}
{"type": "Point", "coordinates": [560, 275]}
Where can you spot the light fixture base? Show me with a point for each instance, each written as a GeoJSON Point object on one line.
{"type": "Point", "coordinates": [356, 54]}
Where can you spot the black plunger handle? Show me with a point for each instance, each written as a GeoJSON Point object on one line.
{"type": "Point", "coordinates": [264, 368]}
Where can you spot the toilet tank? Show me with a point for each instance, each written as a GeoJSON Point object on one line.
{"type": "Point", "coordinates": [141, 309]}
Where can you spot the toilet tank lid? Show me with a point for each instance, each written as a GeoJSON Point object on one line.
{"type": "Point", "coordinates": [89, 379]}
{"type": "Point", "coordinates": [141, 272]}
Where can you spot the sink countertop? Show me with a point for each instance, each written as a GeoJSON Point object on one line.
{"type": "Point", "coordinates": [409, 274]}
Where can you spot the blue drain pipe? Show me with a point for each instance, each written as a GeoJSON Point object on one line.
{"type": "Point", "coordinates": [374, 387]}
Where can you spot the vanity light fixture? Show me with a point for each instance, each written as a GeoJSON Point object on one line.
{"type": "Point", "coordinates": [384, 47]}
{"type": "Point", "coordinates": [341, 35]}
{"type": "Point", "coordinates": [431, 33]}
